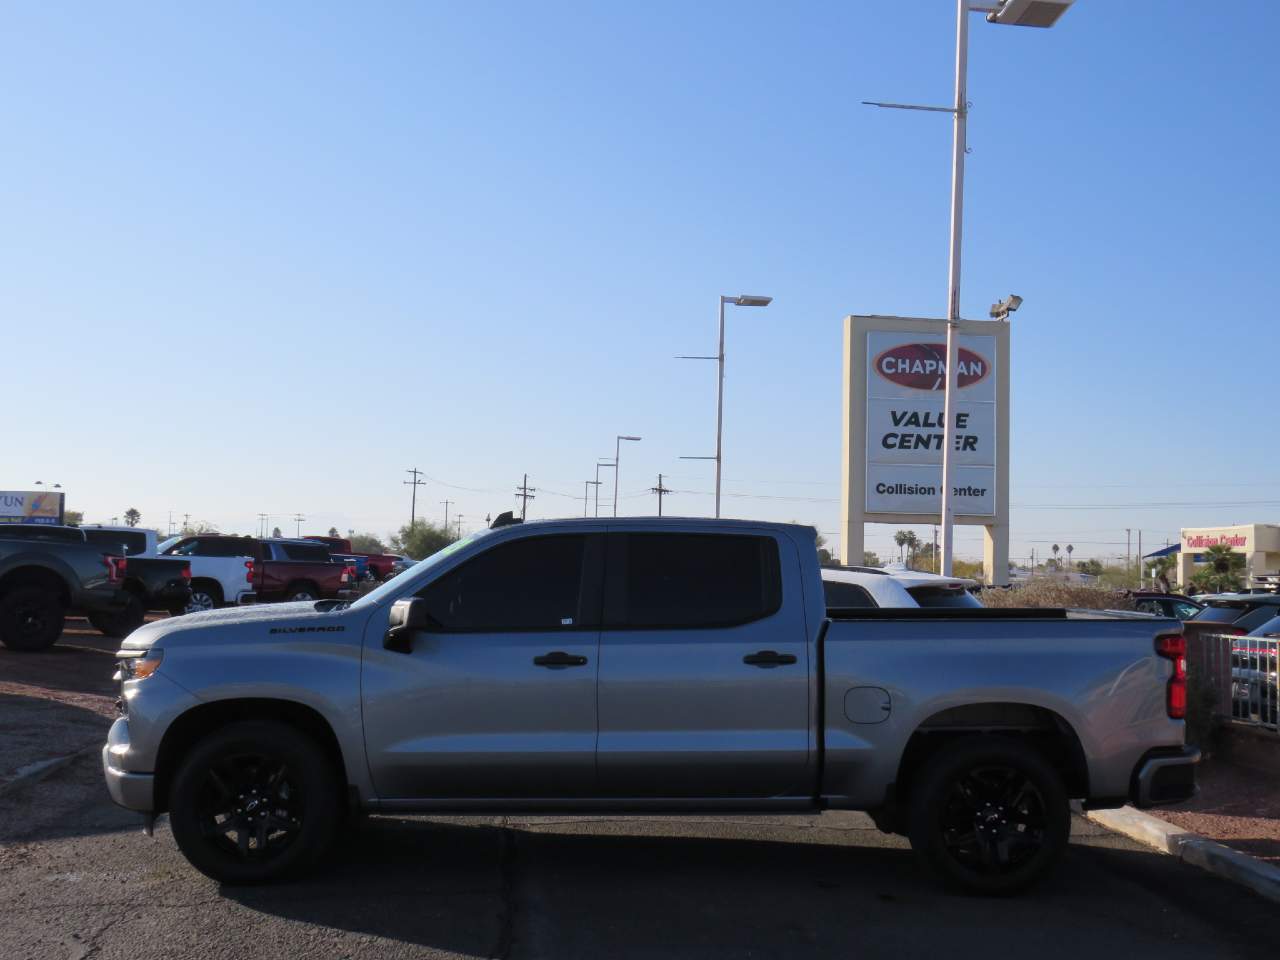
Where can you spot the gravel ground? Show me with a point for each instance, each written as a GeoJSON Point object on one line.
{"type": "Point", "coordinates": [1239, 799]}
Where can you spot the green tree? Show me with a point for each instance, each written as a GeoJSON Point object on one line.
{"type": "Point", "coordinates": [913, 544]}
{"type": "Point", "coordinates": [900, 538]}
{"type": "Point", "coordinates": [72, 518]}
{"type": "Point", "coordinates": [333, 532]}
{"type": "Point", "coordinates": [421, 540]}
{"type": "Point", "coordinates": [367, 543]}
{"type": "Point", "coordinates": [132, 516]}
{"type": "Point", "coordinates": [1221, 572]}
{"type": "Point", "coordinates": [869, 559]}
{"type": "Point", "coordinates": [275, 532]}
{"type": "Point", "coordinates": [1092, 567]}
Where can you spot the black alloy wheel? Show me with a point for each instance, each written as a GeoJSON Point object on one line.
{"type": "Point", "coordinates": [255, 802]}
{"type": "Point", "coordinates": [31, 619]}
{"type": "Point", "coordinates": [989, 815]}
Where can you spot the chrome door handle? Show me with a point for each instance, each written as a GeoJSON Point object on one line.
{"type": "Point", "coordinates": [558, 658]}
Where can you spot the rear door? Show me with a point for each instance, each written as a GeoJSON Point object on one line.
{"type": "Point", "coordinates": [497, 698]}
{"type": "Point", "coordinates": [703, 668]}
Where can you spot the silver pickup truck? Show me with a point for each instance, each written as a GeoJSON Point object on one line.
{"type": "Point", "coordinates": [644, 665]}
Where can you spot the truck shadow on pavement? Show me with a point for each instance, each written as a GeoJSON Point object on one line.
{"type": "Point", "coordinates": [633, 889]}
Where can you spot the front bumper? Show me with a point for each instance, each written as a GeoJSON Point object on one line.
{"type": "Point", "coordinates": [1163, 776]}
{"type": "Point", "coordinates": [134, 791]}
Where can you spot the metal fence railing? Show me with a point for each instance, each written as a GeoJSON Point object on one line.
{"type": "Point", "coordinates": [1242, 673]}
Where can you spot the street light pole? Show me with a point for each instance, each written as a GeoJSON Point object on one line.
{"type": "Point", "coordinates": [953, 280]}
{"type": "Point", "coordinates": [617, 452]}
{"type": "Point", "coordinates": [599, 464]}
{"type": "Point", "coordinates": [742, 300]}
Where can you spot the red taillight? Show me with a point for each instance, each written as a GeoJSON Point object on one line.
{"type": "Point", "coordinates": [248, 571]}
{"type": "Point", "coordinates": [116, 567]}
{"type": "Point", "coordinates": [186, 572]}
{"type": "Point", "coordinates": [348, 573]}
{"type": "Point", "coordinates": [1173, 646]}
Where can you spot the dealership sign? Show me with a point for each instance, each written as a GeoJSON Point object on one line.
{"type": "Point", "coordinates": [31, 507]}
{"type": "Point", "coordinates": [906, 428]}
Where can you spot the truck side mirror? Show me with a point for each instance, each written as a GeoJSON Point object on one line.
{"type": "Point", "coordinates": [407, 616]}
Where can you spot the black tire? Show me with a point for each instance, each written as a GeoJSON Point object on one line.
{"type": "Point", "coordinates": [989, 815]}
{"type": "Point", "coordinates": [31, 618]}
{"type": "Point", "coordinates": [205, 595]}
{"type": "Point", "coordinates": [301, 591]}
{"type": "Point", "coordinates": [236, 836]}
{"type": "Point", "coordinates": [120, 623]}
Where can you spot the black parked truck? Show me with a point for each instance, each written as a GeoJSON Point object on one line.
{"type": "Point", "coordinates": [47, 572]}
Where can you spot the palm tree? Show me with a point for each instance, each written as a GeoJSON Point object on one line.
{"type": "Point", "coordinates": [1221, 570]}
{"type": "Point", "coordinates": [1070, 550]}
{"type": "Point", "coordinates": [1055, 548]}
{"type": "Point", "coordinates": [900, 538]}
{"type": "Point", "coordinates": [1161, 568]}
{"type": "Point", "coordinates": [913, 544]}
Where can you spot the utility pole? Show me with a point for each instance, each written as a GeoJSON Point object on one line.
{"type": "Point", "coordinates": [1139, 559]}
{"type": "Point", "coordinates": [458, 520]}
{"type": "Point", "coordinates": [415, 483]}
{"type": "Point", "coordinates": [298, 518]}
{"type": "Point", "coordinates": [262, 524]}
{"type": "Point", "coordinates": [525, 493]}
{"type": "Point", "coordinates": [660, 490]}
{"type": "Point", "coordinates": [446, 514]}
{"type": "Point", "coordinates": [171, 523]}
{"type": "Point", "coordinates": [937, 561]}
{"type": "Point", "coordinates": [586, 486]}
{"type": "Point", "coordinates": [1127, 551]}
{"type": "Point", "coordinates": [186, 521]}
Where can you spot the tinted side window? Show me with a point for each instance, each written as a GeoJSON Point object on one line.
{"type": "Point", "coordinates": [1148, 606]}
{"type": "Point", "coordinates": [312, 552]}
{"type": "Point", "coordinates": [846, 595]}
{"type": "Point", "coordinates": [1183, 610]}
{"type": "Point", "coordinates": [943, 597]}
{"type": "Point", "coordinates": [530, 584]}
{"type": "Point", "coordinates": [1256, 618]}
{"type": "Point", "coordinates": [1219, 614]}
{"type": "Point", "coordinates": [658, 580]}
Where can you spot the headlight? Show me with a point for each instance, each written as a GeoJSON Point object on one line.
{"type": "Point", "coordinates": [141, 667]}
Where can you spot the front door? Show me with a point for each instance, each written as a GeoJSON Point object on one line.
{"type": "Point", "coordinates": [704, 671]}
{"type": "Point", "coordinates": [497, 698]}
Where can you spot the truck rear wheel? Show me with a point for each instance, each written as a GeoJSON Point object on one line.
{"type": "Point", "coordinates": [255, 802]}
{"type": "Point", "coordinates": [205, 595]}
{"type": "Point", "coordinates": [31, 618]}
{"type": "Point", "coordinates": [989, 815]}
{"type": "Point", "coordinates": [301, 592]}
{"type": "Point", "coordinates": [120, 623]}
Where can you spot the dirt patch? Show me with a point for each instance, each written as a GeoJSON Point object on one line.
{"type": "Point", "coordinates": [1239, 799]}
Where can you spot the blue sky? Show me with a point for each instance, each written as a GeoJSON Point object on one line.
{"type": "Point", "coordinates": [262, 258]}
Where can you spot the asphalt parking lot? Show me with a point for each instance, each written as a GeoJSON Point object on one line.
{"type": "Point", "coordinates": [78, 879]}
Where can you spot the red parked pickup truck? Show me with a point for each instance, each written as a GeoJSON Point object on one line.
{"type": "Point", "coordinates": [293, 570]}
{"type": "Point", "coordinates": [379, 563]}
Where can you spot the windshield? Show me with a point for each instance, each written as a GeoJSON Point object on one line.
{"type": "Point", "coordinates": [396, 584]}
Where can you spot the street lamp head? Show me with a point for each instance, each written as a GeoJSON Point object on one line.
{"type": "Point", "coordinates": [1028, 13]}
{"type": "Point", "coordinates": [1001, 310]}
{"type": "Point", "coordinates": [748, 301]}
{"type": "Point", "coordinates": [621, 437]}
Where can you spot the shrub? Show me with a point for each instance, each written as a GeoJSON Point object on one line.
{"type": "Point", "coordinates": [1048, 592]}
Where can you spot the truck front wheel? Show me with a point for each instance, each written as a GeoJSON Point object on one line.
{"type": "Point", "coordinates": [254, 802]}
{"type": "Point", "coordinates": [31, 618]}
{"type": "Point", "coordinates": [989, 815]}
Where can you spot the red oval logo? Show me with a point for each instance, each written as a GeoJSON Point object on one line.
{"type": "Point", "coordinates": [923, 366]}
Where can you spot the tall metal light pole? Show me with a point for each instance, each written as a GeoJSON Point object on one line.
{"type": "Point", "coordinates": [617, 451]}
{"type": "Point", "coordinates": [599, 464]}
{"type": "Point", "coordinates": [1019, 13]}
{"type": "Point", "coordinates": [742, 300]}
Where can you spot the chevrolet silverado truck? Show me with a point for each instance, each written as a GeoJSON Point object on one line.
{"type": "Point", "coordinates": [47, 572]}
{"type": "Point", "coordinates": [650, 666]}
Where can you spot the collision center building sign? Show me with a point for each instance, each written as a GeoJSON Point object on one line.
{"type": "Point", "coordinates": [906, 376]}
{"type": "Point", "coordinates": [894, 430]}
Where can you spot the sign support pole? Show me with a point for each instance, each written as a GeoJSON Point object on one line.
{"type": "Point", "coordinates": [953, 280]}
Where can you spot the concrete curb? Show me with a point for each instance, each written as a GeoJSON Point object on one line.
{"type": "Point", "coordinates": [34, 772]}
{"type": "Point", "coordinates": [1262, 878]}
